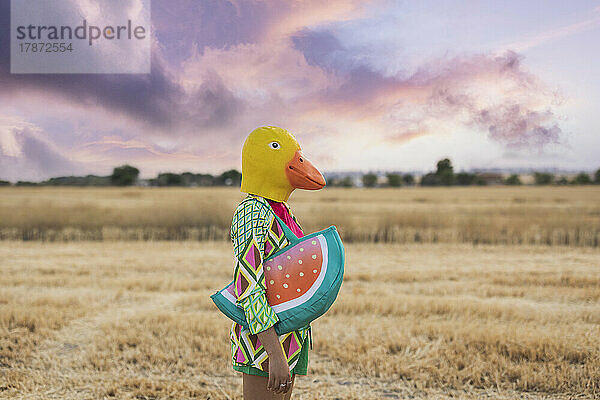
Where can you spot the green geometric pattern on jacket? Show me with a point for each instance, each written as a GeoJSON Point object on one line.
{"type": "Point", "coordinates": [256, 234]}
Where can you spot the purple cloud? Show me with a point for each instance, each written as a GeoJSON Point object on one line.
{"type": "Point", "coordinates": [157, 99]}
{"type": "Point", "coordinates": [520, 114]}
{"type": "Point", "coordinates": [182, 25]}
{"type": "Point", "coordinates": [33, 157]}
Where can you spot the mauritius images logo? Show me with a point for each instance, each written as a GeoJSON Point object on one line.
{"type": "Point", "coordinates": [79, 36]}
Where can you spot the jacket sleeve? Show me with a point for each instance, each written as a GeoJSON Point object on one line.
{"type": "Point", "coordinates": [248, 236]}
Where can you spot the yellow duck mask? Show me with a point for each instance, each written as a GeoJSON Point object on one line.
{"type": "Point", "coordinates": [273, 165]}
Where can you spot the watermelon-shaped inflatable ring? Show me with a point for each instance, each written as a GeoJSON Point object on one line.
{"type": "Point", "coordinates": [302, 280]}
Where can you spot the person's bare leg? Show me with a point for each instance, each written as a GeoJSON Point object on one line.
{"type": "Point", "coordinates": [255, 388]}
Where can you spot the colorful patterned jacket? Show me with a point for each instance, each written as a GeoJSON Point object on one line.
{"type": "Point", "coordinates": [256, 234]}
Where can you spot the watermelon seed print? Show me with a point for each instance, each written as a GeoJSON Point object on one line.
{"type": "Point", "coordinates": [288, 276]}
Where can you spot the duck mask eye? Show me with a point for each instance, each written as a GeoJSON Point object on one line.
{"type": "Point", "coordinates": [275, 145]}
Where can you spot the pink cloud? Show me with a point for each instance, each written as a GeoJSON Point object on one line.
{"type": "Point", "coordinates": [491, 94]}
{"type": "Point", "coordinates": [555, 33]}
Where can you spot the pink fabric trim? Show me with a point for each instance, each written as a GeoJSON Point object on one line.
{"type": "Point", "coordinates": [283, 213]}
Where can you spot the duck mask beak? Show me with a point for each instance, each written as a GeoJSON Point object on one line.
{"type": "Point", "coordinates": [302, 174]}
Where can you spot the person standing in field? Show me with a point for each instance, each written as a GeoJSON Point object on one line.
{"type": "Point", "coordinates": [272, 167]}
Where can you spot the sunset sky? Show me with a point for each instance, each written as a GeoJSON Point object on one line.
{"type": "Point", "coordinates": [363, 85]}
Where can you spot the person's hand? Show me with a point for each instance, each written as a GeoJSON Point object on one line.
{"type": "Point", "coordinates": [280, 380]}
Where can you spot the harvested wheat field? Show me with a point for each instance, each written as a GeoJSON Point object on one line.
{"type": "Point", "coordinates": [133, 320]}
{"type": "Point", "coordinates": [552, 215]}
